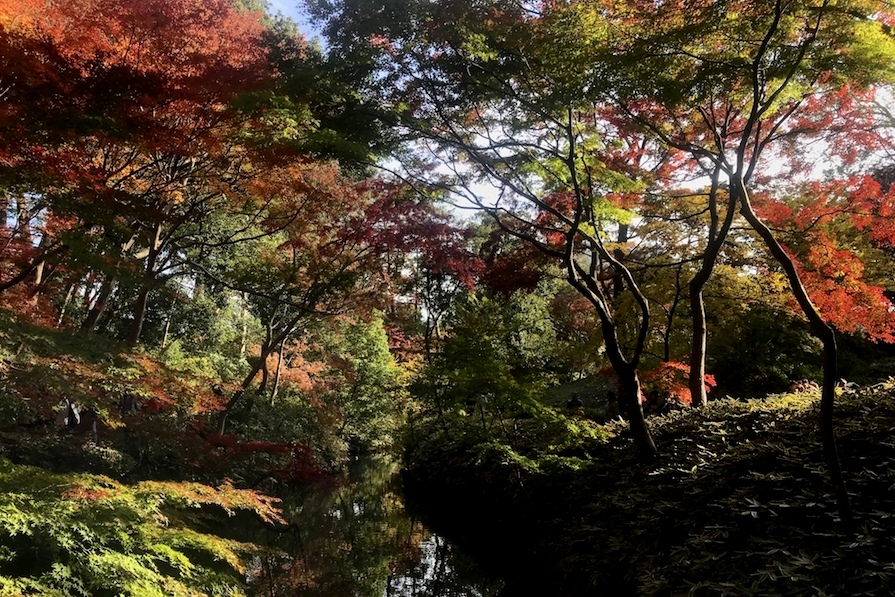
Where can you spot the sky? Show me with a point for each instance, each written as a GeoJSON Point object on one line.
{"type": "Point", "coordinates": [292, 9]}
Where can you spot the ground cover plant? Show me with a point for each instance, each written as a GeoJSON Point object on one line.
{"type": "Point", "coordinates": [740, 504]}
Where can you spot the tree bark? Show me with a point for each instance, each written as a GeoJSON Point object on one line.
{"type": "Point", "coordinates": [244, 321]}
{"type": "Point", "coordinates": [165, 335]}
{"type": "Point", "coordinates": [149, 273]}
{"type": "Point", "coordinates": [99, 306]}
{"type": "Point", "coordinates": [827, 336]}
{"type": "Point", "coordinates": [21, 276]}
{"type": "Point", "coordinates": [629, 380]}
{"type": "Point", "coordinates": [68, 297]}
{"type": "Point", "coordinates": [23, 221]}
{"type": "Point", "coordinates": [276, 379]}
{"type": "Point", "coordinates": [136, 329]}
{"type": "Point", "coordinates": [717, 238]}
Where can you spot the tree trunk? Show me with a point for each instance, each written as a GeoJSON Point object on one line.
{"type": "Point", "coordinates": [99, 305]}
{"type": "Point", "coordinates": [618, 284]}
{"type": "Point", "coordinates": [717, 238]}
{"type": "Point", "coordinates": [827, 337]}
{"type": "Point", "coordinates": [165, 335]}
{"type": "Point", "coordinates": [68, 297]}
{"type": "Point", "coordinates": [265, 375]}
{"type": "Point", "coordinates": [133, 335]}
{"type": "Point", "coordinates": [21, 276]}
{"type": "Point", "coordinates": [629, 380]}
{"type": "Point", "coordinates": [23, 221]}
{"type": "Point", "coordinates": [244, 320]}
{"type": "Point", "coordinates": [266, 349]}
{"type": "Point", "coordinates": [155, 243]}
{"type": "Point", "coordinates": [276, 379]}
{"type": "Point", "coordinates": [670, 316]}
{"type": "Point", "coordinates": [246, 382]}
{"type": "Point", "coordinates": [630, 397]}
{"type": "Point", "coordinates": [38, 281]}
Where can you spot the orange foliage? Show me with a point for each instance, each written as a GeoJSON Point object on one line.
{"type": "Point", "coordinates": [833, 274]}
{"type": "Point", "coordinates": [672, 377]}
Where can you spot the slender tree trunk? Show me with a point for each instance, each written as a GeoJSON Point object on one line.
{"type": "Point", "coordinates": [149, 273]}
{"type": "Point", "coordinates": [38, 281]}
{"type": "Point", "coordinates": [276, 379]}
{"type": "Point", "coordinates": [4, 209]}
{"type": "Point", "coordinates": [266, 349]}
{"type": "Point", "coordinates": [265, 376]}
{"type": "Point", "coordinates": [23, 223]}
{"type": "Point", "coordinates": [244, 320]}
{"type": "Point", "coordinates": [618, 284]}
{"type": "Point", "coordinates": [669, 319]}
{"type": "Point", "coordinates": [37, 262]}
{"type": "Point", "coordinates": [21, 276]}
{"type": "Point", "coordinates": [68, 296]}
{"type": "Point", "coordinates": [629, 380]}
{"type": "Point", "coordinates": [136, 328]}
{"type": "Point", "coordinates": [630, 393]}
{"type": "Point", "coordinates": [165, 335]}
{"type": "Point", "coordinates": [99, 305]}
{"type": "Point", "coordinates": [827, 337]}
{"type": "Point", "coordinates": [717, 238]}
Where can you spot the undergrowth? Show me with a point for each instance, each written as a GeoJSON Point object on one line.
{"type": "Point", "coordinates": [738, 503]}
{"type": "Point", "coordinates": [80, 534]}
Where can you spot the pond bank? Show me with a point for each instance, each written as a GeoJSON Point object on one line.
{"type": "Point", "coordinates": [737, 504]}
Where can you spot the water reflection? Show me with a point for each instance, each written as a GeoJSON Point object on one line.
{"type": "Point", "coordinates": [358, 540]}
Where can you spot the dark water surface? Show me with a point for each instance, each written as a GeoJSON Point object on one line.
{"type": "Point", "coordinates": [359, 540]}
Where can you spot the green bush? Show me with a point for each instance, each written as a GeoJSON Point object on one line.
{"type": "Point", "coordinates": [87, 535]}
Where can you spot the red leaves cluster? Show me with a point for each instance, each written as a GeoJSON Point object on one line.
{"type": "Point", "coordinates": [397, 221]}
{"type": "Point", "coordinates": [672, 377]}
{"type": "Point", "coordinates": [300, 465]}
{"type": "Point", "coordinates": [833, 269]}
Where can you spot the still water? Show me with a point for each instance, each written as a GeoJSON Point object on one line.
{"type": "Point", "coordinates": [358, 540]}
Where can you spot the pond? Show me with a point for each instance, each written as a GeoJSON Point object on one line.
{"type": "Point", "coordinates": [360, 540]}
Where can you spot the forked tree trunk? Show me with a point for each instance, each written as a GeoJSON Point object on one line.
{"type": "Point", "coordinates": [266, 349]}
{"type": "Point", "coordinates": [827, 337]}
{"type": "Point", "coordinates": [629, 380]}
{"type": "Point", "coordinates": [717, 238]}
{"type": "Point", "coordinates": [99, 306]}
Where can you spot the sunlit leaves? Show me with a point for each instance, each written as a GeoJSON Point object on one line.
{"type": "Point", "coordinates": [83, 534]}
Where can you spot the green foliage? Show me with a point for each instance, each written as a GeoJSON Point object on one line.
{"type": "Point", "coordinates": [296, 417]}
{"type": "Point", "coordinates": [736, 505]}
{"type": "Point", "coordinates": [760, 351]}
{"type": "Point", "coordinates": [81, 534]}
{"type": "Point", "coordinates": [371, 399]}
{"type": "Point", "coordinates": [494, 360]}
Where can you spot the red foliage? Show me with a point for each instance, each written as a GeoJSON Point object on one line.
{"type": "Point", "coordinates": [397, 220]}
{"type": "Point", "coordinates": [300, 466]}
{"type": "Point", "coordinates": [672, 377]}
{"type": "Point", "coordinates": [833, 274]}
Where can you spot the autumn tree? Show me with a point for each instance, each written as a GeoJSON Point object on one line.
{"type": "Point", "coordinates": [481, 117]}
{"type": "Point", "coordinates": [724, 83]}
{"type": "Point", "coordinates": [128, 128]}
